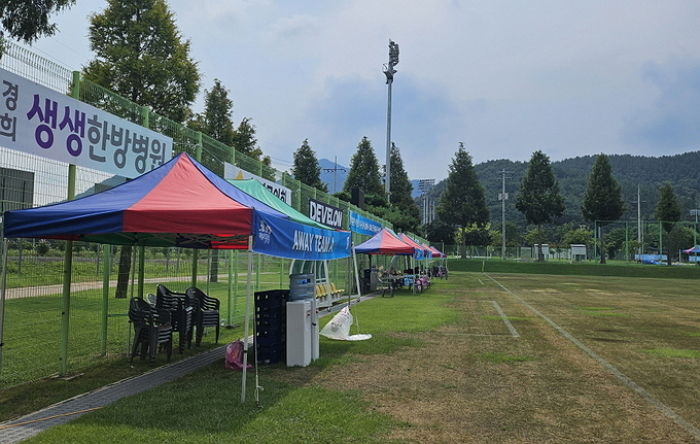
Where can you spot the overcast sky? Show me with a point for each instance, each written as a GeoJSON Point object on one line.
{"type": "Point", "coordinates": [505, 77]}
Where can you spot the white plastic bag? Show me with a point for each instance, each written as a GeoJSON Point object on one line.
{"type": "Point", "coordinates": [339, 327]}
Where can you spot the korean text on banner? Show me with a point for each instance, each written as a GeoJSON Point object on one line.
{"type": "Point", "coordinates": [280, 191]}
{"type": "Point", "coordinates": [279, 237]}
{"type": "Point", "coordinates": [40, 121]}
{"type": "Point", "coordinates": [362, 225]}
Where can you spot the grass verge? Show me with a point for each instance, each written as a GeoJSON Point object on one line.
{"type": "Point", "coordinates": [575, 269]}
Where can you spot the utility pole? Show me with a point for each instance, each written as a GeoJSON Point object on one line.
{"type": "Point", "coordinates": [503, 196]}
{"type": "Point", "coordinates": [389, 72]}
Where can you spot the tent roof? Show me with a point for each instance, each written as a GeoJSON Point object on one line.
{"type": "Point", "coordinates": [436, 252]}
{"type": "Point", "coordinates": [385, 242]}
{"type": "Point", "coordinates": [258, 191]}
{"type": "Point", "coordinates": [695, 249]}
{"type": "Point", "coordinates": [180, 203]}
{"type": "Point", "coordinates": [414, 244]}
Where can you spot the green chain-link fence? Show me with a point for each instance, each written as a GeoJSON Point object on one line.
{"type": "Point", "coordinates": [98, 323]}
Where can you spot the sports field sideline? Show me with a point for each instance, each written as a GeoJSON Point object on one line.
{"type": "Point", "coordinates": [478, 358]}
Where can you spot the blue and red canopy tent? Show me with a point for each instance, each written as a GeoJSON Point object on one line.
{"type": "Point", "coordinates": [437, 253]}
{"type": "Point", "coordinates": [421, 252]}
{"type": "Point", "coordinates": [385, 242]}
{"type": "Point", "coordinates": [179, 204]}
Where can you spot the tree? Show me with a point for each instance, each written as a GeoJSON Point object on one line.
{"type": "Point", "coordinates": [439, 231]}
{"type": "Point", "coordinates": [306, 168]}
{"type": "Point", "coordinates": [216, 121]}
{"type": "Point", "coordinates": [139, 53]}
{"type": "Point", "coordinates": [602, 201]}
{"type": "Point", "coordinates": [668, 212]}
{"type": "Point", "coordinates": [364, 172]}
{"type": "Point", "coordinates": [244, 140]}
{"type": "Point", "coordinates": [401, 187]}
{"type": "Point", "coordinates": [401, 190]}
{"type": "Point", "coordinates": [462, 203]}
{"type": "Point", "coordinates": [578, 236]}
{"type": "Point", "coordinates": [28, 20]}
{"type": "Point", "coordinates": [475, 235]}
{"type": "Point", "coordinates": [539, 198]}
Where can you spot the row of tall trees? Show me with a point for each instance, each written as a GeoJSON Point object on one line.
{"type": "Point", "coordinates": [463, 213]}
{"type": "Point", "coordinates": [364, 176]}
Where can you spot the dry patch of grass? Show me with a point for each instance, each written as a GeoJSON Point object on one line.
{"type": "Point", "coordinates": [459, 386]}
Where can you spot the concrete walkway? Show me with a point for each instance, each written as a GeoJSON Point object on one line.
{"type": "Point", "coordinates": [62, 412]}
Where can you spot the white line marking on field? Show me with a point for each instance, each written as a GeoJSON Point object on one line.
{"type": "Point", "coordinates": [480, 281]}
{"type": "Point", "coordinates": [663, 408]}
{"type": "Point", "coordinates": [506, 321]}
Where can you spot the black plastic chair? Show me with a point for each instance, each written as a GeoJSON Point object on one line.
{"type": "Point", "coordinates": [206, 312]}
{"type": "Point", "coordinates": [152, 329]}
{"type": "Point", "coordinates": [181, 313]}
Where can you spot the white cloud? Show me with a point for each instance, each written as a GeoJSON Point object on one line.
{"type": "Point", "coordinates": [511, 77]}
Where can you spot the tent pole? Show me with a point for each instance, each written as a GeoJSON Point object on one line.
{"type": "Point", "coordinates": [257, 272]}
{"type": "Point", "coordinates": [142, 269]}
{"type": "Point", "coordinates": [246, 321]}
{"type": "Point", "coordinates": [3, 286]}
{"type": "Point", "coordinates": [107, 267]}
{"type": "Point", "coordinates": [230, 288]}
{"type": "Point", "coordinates": [235, 284]}
{"type": "Point", "coordinates": [357, 276]}
{"type": "Point", "coordinates": [413, 272]}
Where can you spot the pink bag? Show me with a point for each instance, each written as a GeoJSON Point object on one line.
{"type": "Point", "coordinates": [233, 359]}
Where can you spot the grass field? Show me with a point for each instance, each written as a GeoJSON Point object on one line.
{"type": "Point", "coordinates": [444, 366]}
{"type": "Point", "coordinates": [612, 268]}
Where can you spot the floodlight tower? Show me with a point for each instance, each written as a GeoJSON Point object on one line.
{"type": "Point", "coordinates": [389, 72]}
{"type": "Point", "coordinates": [425, 185]}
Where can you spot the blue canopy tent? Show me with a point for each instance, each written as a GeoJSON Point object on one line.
{"type": "Point", "coordinates": [693, 254]}
{"type": "Point", "coordinates": [179, 204]}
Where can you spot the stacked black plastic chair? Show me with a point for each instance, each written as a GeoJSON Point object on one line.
{"type": "Point", "coordinates": [181, 310]}
{"type": "Point", "coordinates": [271, 326]}
{"type": "Point", "coordinates": [206, 312]}
{"type": "Point", "coordinates": [152, 329]}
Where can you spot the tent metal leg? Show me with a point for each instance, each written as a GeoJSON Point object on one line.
{"type": "Point", "coordinates": [3, 286]}
{"type": "Point", "coordinates": [230, 289]}
{"type": "Point", "coordinates": [357, 275]}
{"type": "Point", "coordinates": [246, 321]}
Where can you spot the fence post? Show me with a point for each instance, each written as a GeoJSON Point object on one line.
{"type": "Point", "coordinates": [68, 256]}
{"type": "Point", "coordinates": [195, 251]}
{"type": "Point", "coordinates": [145, 121]}
{"type": "Point", "coordinates": [107, 267]}
{"type": "Point", "coordinates": [3, 289]}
